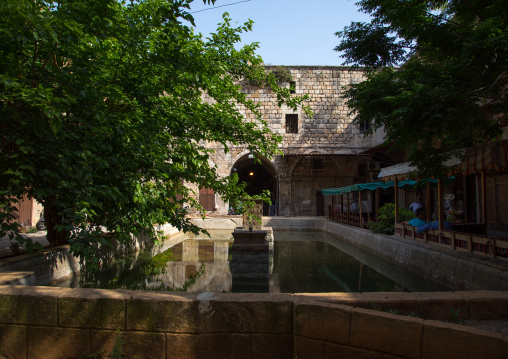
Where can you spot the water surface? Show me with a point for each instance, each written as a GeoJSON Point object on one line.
{"type": "Point", "coordinates": [298, 262]}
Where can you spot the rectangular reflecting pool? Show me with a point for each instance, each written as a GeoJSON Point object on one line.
{"type": "Point", "coordinates": [297, 262]}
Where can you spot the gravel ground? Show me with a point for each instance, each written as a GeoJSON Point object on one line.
{"type": "Point", "coordinates": [497, 326]}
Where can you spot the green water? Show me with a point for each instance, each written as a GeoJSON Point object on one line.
{"type": "Point", "coordinates": [299, 262]}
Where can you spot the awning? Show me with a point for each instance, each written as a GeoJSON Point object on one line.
{"type": "Point", "coordinates": [406, 185]}
{"type": "Point", "coordinates": [356, 188]}
{"type": "Point", "coordinates": [403, 171]}
{"type": "Point", "coordinates": [411, 184]}
{"type": "Point", "coordinates": [484, 157]}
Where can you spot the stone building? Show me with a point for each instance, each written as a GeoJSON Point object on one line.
{"type": "Point", "coordinates": [323, 151]}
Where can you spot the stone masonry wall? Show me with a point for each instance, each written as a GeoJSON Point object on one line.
{"type": "Point", "coordinates": [44, 322]}
{"type": "Point", "coordinates": [329, 133]}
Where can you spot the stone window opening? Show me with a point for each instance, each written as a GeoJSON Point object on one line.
{"type": "Point", "coordinates": [291, 123]}
{"type": "Point", "coordinates": [363, 126]}
{"type": "Point", "coordinates": [207, 199]}
{"type": "Point", "coordinates": [292, 87]}
{"type": "Point", "coordinates": [317, 164]}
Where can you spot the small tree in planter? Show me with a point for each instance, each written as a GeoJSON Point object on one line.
{"type": "Point", "coordinates": [386, 219]}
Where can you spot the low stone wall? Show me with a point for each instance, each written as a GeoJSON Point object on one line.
{"type": "Point", "coordinates": [222, 222]}
{"type": "Point", "coordinates": [295, 223]}
{"type": "Point", "coordinates": [457, 270]}
{"type": "Point", "coordinates": [40, 268]}
{"type": "Point", "coordinates": [43, 322]}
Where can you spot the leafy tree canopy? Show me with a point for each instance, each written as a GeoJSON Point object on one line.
{"type": "Point", "coordinates": [450, 89]}
{"type": "Point", "coordinates": [102, 117]}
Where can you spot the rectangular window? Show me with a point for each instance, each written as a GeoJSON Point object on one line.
{"type": "Point", "coordinates": [364, 126]}
{"type": "Point", "coordinates": [291, 123]}
{"type": "Point", "coordinates": [207, 198]}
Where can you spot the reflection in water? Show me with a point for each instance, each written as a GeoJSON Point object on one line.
{"type": "Point", "coordinates": [302, 262]}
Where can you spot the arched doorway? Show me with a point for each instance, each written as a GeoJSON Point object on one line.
{"type": "Point", "coordinates": [258, 177]}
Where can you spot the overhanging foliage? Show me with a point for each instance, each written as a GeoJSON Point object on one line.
{"type": "Point", "coordinates": [450, 89]}
{"type": "Point", "coordinates": [102, 117]}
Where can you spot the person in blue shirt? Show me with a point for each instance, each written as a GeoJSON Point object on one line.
{"type": "Point", "coordinates": [420, 218]}
{"type": "Point", "coordinates": [272, 210]}
{"type": "Point", "coordinates": [434, 225]}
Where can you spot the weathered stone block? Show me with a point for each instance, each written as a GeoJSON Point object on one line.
{"type": "Point", "coordinates": [342, 351]}
{"type": "Point", "coordinates": [447, 264]}
{"type": "Point", "coordinates": [92, 308]}
{"type": "Point", "coordinates": [13, 341]}
{"type": "Point", "coordinates": [144, 345]}
{"type": "Point", "coordinates": [350, 299]}
{"type": "Point", "coordinates": [442, 340]}
{"type": "Point", "coordinates": [208, 346]}
{"type": "Point", "coordinates": [421, 255]}
{"type": "Point", "coordinates": [387, 333]}
{"type": "Point", "coordinates": [441, 305]}
{"type": "Point", "coordinates": [323, 321]}
{"type": "Point", "coordinates": [165, 312]}
{"type": "Point", "coordinates": [485, 304]}
{"type": "Point", "coordinates": [24, 305]}
{"type": "Point", "coordinates": [271, 346]}
{"type": "Point", "coordinates": [56, 343]}
{"type": "Point", "coordinates": [104, 340]}
{"type": "Point", "coordinates": [504, 281]}
{"type": "Point", "coordinates": [246, 313]}
{"type": "Point", "coordinates": [306, 348]}
{"type": "Point", "coordinates": [489, 277]}
{"type": "Point", "coordinates": [132, 344]}
{"type": "Point", "coordinates": [398, 302]}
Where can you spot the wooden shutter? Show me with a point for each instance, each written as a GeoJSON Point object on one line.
{"type": "Point", "coordinates": [207, 198]}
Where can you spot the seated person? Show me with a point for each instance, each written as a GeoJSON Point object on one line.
{"type": "Point", "coordinates": [434, 225]}
{"type": "Point", "coordinates": [415, 205]}
{"type": "Point", "coordinates": [420, 218]}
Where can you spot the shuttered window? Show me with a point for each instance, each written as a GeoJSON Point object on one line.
{"type": "Point", "coordinates": [207, 198]}
{"type": "Point", "coordinates": [291, 123]}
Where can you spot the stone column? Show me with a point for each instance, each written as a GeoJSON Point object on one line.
{"type": "Point", "coordinates": [284, 203]}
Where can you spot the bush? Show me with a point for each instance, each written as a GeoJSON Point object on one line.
{"type": "Point", "coordinates": [386, 219]}
{"type": "Point", "coordinates": [282, 74]}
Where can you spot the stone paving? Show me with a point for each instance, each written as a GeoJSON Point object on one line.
{"type": "Point", "coordinates": [5, 243]}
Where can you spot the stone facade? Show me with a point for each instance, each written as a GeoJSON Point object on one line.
{"type": "Point", "coordinates": [323, 151]}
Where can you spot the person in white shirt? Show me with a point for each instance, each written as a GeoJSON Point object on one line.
{"type": "Point", "coordinates": [415, 205]}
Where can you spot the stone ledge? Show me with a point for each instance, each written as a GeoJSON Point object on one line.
{"type": "Point", "coordinates": [17, 278]}
{"type": "Point", "coordinates": [162, 324]}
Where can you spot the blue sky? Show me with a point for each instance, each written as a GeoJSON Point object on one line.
{"type": "Point", "coordinates": [298, 32]}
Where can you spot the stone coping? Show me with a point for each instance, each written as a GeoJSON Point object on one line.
{"type": "Point", "coordinates": [45, 322]}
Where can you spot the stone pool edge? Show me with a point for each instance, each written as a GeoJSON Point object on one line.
{"type": "Point", "coordinates": [46, 322]}
{"type": "Point", "coordinates": [457, 270]}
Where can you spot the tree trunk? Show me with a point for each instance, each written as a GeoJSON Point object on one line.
{"type": "Point", "coordinates": [52, 219]}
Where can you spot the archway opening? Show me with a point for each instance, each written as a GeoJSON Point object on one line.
{"type": "Point", "coordinates": [258, 177]}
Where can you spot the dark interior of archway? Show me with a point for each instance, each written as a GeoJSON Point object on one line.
{"type": "Point", "coordinates": [257, 178]}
